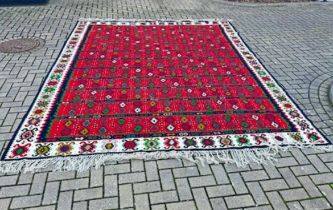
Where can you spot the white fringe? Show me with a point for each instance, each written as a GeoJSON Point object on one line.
{"type": "Point", "coordinates": [241, 157]}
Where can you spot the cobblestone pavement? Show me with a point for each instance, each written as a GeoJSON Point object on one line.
{"type": "Point", "coordinates": [295, 43]}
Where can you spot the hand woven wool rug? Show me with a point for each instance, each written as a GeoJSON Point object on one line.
{"type": "Point", "coordinates": [156, 89]}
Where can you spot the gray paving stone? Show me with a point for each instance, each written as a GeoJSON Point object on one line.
{"type": "Point", "coordinates": [218, 204]}
{"type": "Point", "coordinates": [137, 165]}
{"type": "Point", "coordinates": [272, 172]}
{"type": "Point", "coordinates": [220, 174]}
{"type": "Point", "coordinates": [274, 184]}
{"type": "Point", "coordinates": [184, 190]}
{"type": "Point", "coordinates": [25, 178]}
{"type": "Point", "coordinates": [276, 200]}
{"type": "Point", "coordinates": [289, 177]}
{"type": "Point", "coordinates": [201, 199]}
{"type": "Point", "coordinates": [294, 205]}
{"type": "Point", "coordinates": [185, 205]}
{"type": "Point", "coordinates": [202, 181]}
{"type": "Point", "coordinates": [147, 187]}
{"type": "Point", "coordinates": [170, 163]}
{"type": "Point", "coordinates": [110, 185]}
{"type": "Point", "coordinates": [167, 180]}
{"type": "Point", "coordinates": [51, 193]}
{"type": "Point", "coordinates": [87, 194]}
{"type": "Point", "coordinates": [238, 183]}
{"type": "Point", "coordinates": [12, 191]}
{"type": "Point", "coordinates": [158, 207]}
{"type": "Point", "coordinates": [325, 178]}
{"type": "Point", "coordinates": [131, 177]}
{"type": "Point", "coordinates": [60, 175]}
{"type": "Point", "coordinates": [4, 203]}
{"type": "Point", "coordinates": [265, 207]}
{"type": "Point", "coordinates": [299, 156]}
{"type": "Point", "coordinates": [185, 172]}
{"type": "Point", "coordinates": [310, 188]}
{"type": "Point", "coordinates": [318, 203]}
{"type": "Point", "coordinates": [254, 175]}
{"type": "Point", "coordinates": [51, 207]}
{"type": "Point", "coordinates": [294, 194]}
{"type": "Point", "coordinates": [96, 177]}
{"type": "Point", "coordinates": [327, 192]}
{"type": "Point", "coordinates": [239, 201]}
{"type": "Point", "coordinates": [151, 171]}
{"type": "Point", "coordinates": [65, 200]}
{"type": "Point", "coordinates": [82, 205]}
{"type": "Point", "coordinates": [74, 184]}
{"type": "Point", "coordinates": [318, 164]}
{"type": "Point", "coordinates": [126, 195]}
{"type": "Point", "coordinates": [117, 169]}
{"type": "Point", "coordinates": [142, 202]}
{"type": "Point", "coordinates": [163, 197]}
{"type": "Point", "coordinates": [26, 201]}
{"type": "Point", "coordinates": [105, 203]}
{"type": "Point", "coordinates": [304, 170]}
{"type": "Point", "coordinates": [257, 193]}
{"type": "Point", "coordinates": [220, 191]}
{"type": "Point", "coordinates": [287, 161]}
{"type": "Point", "coordinates": [327, 157]}
{"type": "Point", "coordinates": [8, 180]}
{"type": "Point", "coordinates": [204, 169]}
{"type": "Point", "coordinates": [38, 183]}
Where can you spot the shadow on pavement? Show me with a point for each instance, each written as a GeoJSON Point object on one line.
{"type": "Point", "coordinates": [7, 3]}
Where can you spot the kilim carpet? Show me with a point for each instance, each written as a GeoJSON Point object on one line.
{"type": "Point", "coordinates": [156, 89]}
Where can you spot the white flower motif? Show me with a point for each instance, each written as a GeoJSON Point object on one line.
{"type": "Point", "coordinates": [137, 110]}
{"type": "Point", "coordinates": [122, 104]}
{"type": "Point", "coordinates": [275, 124]}
{"type": "Point", "coordinates": [170, 127]}
{"type": "Point", "coordinates": [255, 117]}
{"type": "Point", "coordinates": [153, 120]}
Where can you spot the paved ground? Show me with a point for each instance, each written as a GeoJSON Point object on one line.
{"type": "Point", "coordinates": [295, 43]}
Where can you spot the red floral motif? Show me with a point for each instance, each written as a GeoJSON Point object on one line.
{"type": "Point", "coordinates": [52, 83]}
{"type": "Point", "coordinates": [20, 150]}
{"type": "Point", "coordinates": [171, 143]}
{"type": "Point", "coordinates": [130, 144]}
{"type": "Point", "coordinates": [260, 139]}
{"type": "Point", "coordinates": [27, 134]}
{"type": "Point", "coordinates": [88, 147]}
{"type": "Point", "coordinates": [208, 142]}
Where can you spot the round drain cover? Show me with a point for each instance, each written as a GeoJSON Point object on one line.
{"type": "Point", "coordinates": [20, 45]}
